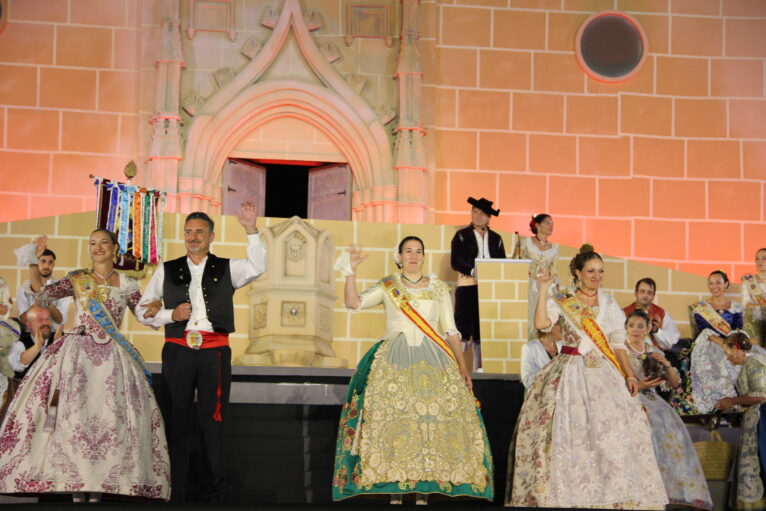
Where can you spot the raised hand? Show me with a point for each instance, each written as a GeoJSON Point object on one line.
{"type": "Point", "coordinates": [660, 358]}
{"type": "Point", "coordinates": [355, 256]}
{"type": "Point", "coordinates": [247, 217]}
{"type": "Point", "coordinates": [41, 243]}
{"type": "Point", "coordinates": [544, 277]}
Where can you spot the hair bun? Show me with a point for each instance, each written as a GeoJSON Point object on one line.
{"type": "Point", "coordinates": [586, 247]}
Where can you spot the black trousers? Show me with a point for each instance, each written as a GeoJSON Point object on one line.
{"type": "Point", "coordinates": [467, 312]}
{"type": "Point", "coordinates": [185, 370]}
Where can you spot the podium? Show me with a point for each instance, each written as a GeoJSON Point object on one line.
{"type": "Point", "coordinates": [503, 309]}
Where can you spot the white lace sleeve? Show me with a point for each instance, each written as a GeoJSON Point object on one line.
{"type": "Point", "coordinates": [554, 313]}
{"type": "Point", "coordinates": [446, 312]}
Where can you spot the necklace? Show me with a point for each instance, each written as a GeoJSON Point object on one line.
{"type": "Point", "coordinates": [413, 282]}
{"type": "Point", "coordinates": [586, 294]}
{"type": "Point", "coordinates": [103, 277]}
{"type": "Point", "coordinates": [542, 243]}
{"type": "Point", "coordinates": [634, 350]}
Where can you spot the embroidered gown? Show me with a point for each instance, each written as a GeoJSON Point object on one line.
{"type": "Point", "coordinates": [752, 443]}
{"type": "Point", "coordinates": [581, 439]}
{"type": "Point", "coordinates": [541, 259]}
{"type": "Point", "coordinates": [712, 376]}
{"type": "Point", "coordinates": [106, 434]}
{"type": "Point", "coordinates": [754, 318]}
{"type": "Point", "coordinates": [409, 423]}
{"type": "Point", "coordinates": [680, 467]}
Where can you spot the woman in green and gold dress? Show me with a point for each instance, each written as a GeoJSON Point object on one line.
{"type": "Point", "coordinates": [751, 386]}
{"type": "Point", "coordinates": [410, 423]}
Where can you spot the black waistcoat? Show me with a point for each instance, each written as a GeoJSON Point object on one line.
{"type": "Point", "coordinates": [217, 291]}
{"type": "Point", "coordinates": [26, 339]}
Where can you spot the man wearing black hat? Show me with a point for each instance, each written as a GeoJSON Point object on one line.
{"type": "Point", "coordinates": [472, 242]}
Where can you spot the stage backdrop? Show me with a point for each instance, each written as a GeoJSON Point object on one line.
{"type": "Point", "coordinates": [667, 167]}
{"type": "Point", "coordinates": [354, 333]}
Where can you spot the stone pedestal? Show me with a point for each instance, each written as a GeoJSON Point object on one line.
{"type": "Point", "coordinates": [291, 306]}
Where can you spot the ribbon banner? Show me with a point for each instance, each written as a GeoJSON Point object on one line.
{"type": "Point", "coordinates": [135, 215]}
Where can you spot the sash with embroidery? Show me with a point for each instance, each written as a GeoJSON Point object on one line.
{"type": "Point", "coordinates": [86, 292]}
{"type": "Point", "coordinates": [403, 304]}
{"type": "Point", "coordinates": [715, 320]}
{"type": "Point", "coordinates": [751, 282]}
{"type": "Point", "coordinates": [581, 316]}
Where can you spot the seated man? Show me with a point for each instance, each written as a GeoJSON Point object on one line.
{"type": "Point", "coordinates": [33, 342]}
{"type": "Point", "coordinates": [663, 332]}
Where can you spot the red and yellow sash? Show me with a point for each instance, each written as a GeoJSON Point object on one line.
{"type": "Point", "coordinates": [402, 302]}
{"type": "Point", "coordinates": [579, 313]}
{"type": "Point", "coordinates": [709, 314]}
{"type": "Point", "coordinates": [753, 287]}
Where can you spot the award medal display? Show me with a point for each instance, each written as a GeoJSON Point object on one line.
{"type": "Point", "coordinates": [194, 339]}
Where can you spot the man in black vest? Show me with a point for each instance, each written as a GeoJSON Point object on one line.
{"type": "Point", "coordinates": [477, 241]}
{"type": "Point", "coordinates": [33, 340]}
{"type": "Point", "coordinates": [198, 315]}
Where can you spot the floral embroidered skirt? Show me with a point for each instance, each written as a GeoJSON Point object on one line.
{"type": "Point", "coordinates": [410, 425]}
{"type": "Point", "coordinates": [679, 465]}
{"type": "Point", "coordinates": [582, 441]}
{"type": "Point", "coordinates": [105, 435]}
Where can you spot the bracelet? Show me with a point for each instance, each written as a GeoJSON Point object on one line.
{"type": "Point", "coordinates": [631, 378]}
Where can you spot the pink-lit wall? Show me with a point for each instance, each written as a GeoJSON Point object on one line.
{"type": "Point", "coordinates": [667, 167]}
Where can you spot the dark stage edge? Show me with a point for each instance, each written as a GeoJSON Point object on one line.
{"type": "Point", "coordinates": [352, 504]}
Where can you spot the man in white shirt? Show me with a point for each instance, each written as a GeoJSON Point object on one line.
{"type": "Point", "coordinates": [198, 316]}
{"type": "Point", "coordinates": [32, 343]}
{"type": "Point", "coordinates": [663, 333]}
{"type": "Point", "coordinates": [25, 297]}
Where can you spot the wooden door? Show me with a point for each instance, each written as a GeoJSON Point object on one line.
{"type": "Point", "coordinates": [330, 192]}
{"type": "Point", "coordinates": [243, 181]}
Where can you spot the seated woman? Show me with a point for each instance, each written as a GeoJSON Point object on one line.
{"type": "Point", "coordinates": [712, 376]}
{"type": "Point", "coordinates": [410, 423]}
{"type": "Point", "coordinates": [754, 300]}
{"type": "Point", "coordinates": [536, 354]}
{"type": "Point", "coordinates": [751, 385]}
{"type": "Point", "coordinates": [680, 468]}
{"type": "Point", "coordinates": [543, 255]}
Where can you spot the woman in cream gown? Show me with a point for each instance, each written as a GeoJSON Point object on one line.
{"type": "Point", "coordinates": [582, 439]}
{"type": "Point", "coordinates": [410, 423]}
{"type": "Point", "coordinates": [543, 256]}
{"type": "Point", "coordinates": [754, 300]}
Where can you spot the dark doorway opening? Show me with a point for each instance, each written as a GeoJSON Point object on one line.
{"type": "Point", "coordinates": [286, 190]}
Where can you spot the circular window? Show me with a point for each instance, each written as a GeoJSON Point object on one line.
{"type": "Point", "coordinates": [611, 46]}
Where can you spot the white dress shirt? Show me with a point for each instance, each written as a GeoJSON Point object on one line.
{"type": "Point", "coordinates": [667, 335]}
{"type": "Point", "coordinates": [14, 355]}
{"type": "Point", "coordinates": [243, 271]}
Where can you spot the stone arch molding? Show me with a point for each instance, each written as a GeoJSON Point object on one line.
{"type": "Point", "coordinates": [332, 106]}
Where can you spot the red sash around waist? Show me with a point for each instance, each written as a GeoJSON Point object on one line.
{"type": "Point", "coordinates": [209, 340]}
{"type": "Point", "coordinates": [569, 350]}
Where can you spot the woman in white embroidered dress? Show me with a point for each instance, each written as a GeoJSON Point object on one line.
{"type": "Point", "coordinates": [84, 419]}
{"type": "Point", "coordinates": [543, 255]}
{"type": "Point", "coordinates": [410, 423]}
{"type": "Point", "coordinates": [582, 439]}
{"type": "Point", "coordinates": [679, 465]}
{"type": "Point", "coordinates": [754, 300]}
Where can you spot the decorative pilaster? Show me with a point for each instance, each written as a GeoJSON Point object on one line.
{"type": "Point", "coordinates": [165, 150]}
{"type": "Point", "coordinates": [409, 150]}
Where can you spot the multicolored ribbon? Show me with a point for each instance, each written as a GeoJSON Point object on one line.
{"type": "Point", "coordinates": [126, 197]}
{"type": "Point", "coordinates": [114, 201]}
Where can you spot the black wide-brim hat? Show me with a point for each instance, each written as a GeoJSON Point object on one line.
{"type": "Point", "coordinates": [484, 205]}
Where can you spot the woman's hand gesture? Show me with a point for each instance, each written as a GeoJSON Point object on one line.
{"type": "Point", "coordinates": [659, 357]}
{"type": "Point", "coordinates": [467, 379]}
{"type": "Point", "coordinates": [544, 277]}
{"type": "Point", "coordinates": [645, 383]}
{"type": "Point", "coordinates": [724, 404]}
{"type": "Point", "coordinates": [355, 256]}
